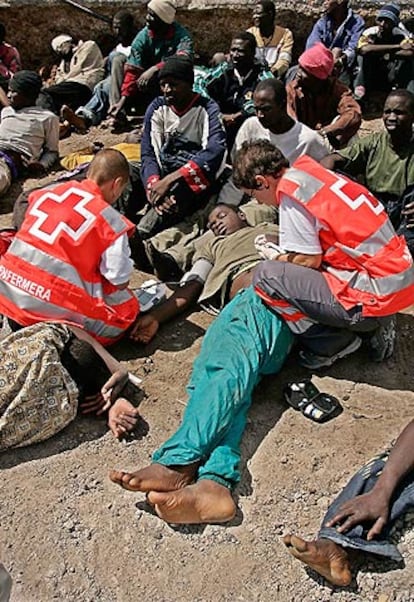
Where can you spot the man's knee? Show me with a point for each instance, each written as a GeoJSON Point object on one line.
{"type": "Point", "coordinates": [268, 271]}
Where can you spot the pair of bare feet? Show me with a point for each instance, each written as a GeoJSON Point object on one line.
{"type": "Point", "coordinates": [176, 498]}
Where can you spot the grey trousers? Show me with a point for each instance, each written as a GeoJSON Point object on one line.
{"type": "Point", "coordinates": [303, 299]}
{"type": "Point", "coordinates": [5, 584]}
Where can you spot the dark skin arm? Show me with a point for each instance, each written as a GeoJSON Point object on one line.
{"type": "Point", "coordinates": [374, 506]}
{"type": "Point", "coordinates": [333, 161]}
{"type": "Point", "coordinates": [146, 326]}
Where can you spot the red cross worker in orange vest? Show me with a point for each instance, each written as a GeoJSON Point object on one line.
{"type": "Point", "coordinates": [70, 260]}
{"type": "Point", "coordinates": [339, 269]}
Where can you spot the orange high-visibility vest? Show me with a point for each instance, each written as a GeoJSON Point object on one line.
{"type": "Point", "coordinates": [51, 270]}
{"type": "Point", "coordinates": [364, 261]}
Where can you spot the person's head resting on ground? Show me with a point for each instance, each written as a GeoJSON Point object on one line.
{"type": "Point", "coordinates": [176, 78]}
{"type": "Point", "coordinates": [224, 220]}
{"type": "Point", "coordinates": [160, 15]}
{"type": "Point", "coordinates": [110, 171]}
{"type": "Point", "coordinates": [24, 88]}
{"type": "Point", "coordinates": [257, 169]}
{"type": "Point", "coordinates": [270, 99]}
{"type": "Point", "coordinates": [123, 27]}
{"type": "Point", "coordinates": [242, 51]}
{"type": "Point", "coordinates": [315, 67]}
{"type": "Point", "coordinates": [63, 45]}
{"type": "Point", "coordinates": [264, 15]}
{"type": "Point", "coordinates": [398, 116]}
{"type": "Point", "coordinates": [387, 18]}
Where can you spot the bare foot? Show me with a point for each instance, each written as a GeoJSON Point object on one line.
{"type": "Point", "coordinates": [155, 477]}
{"type": "Point", "coordinates": [204, 502]}
{"type": "Point", "coordinates": [72, 118]}
{"type": "Point", "coordinates": [122, 417]}
{"type": "Point", "coordinates": [323, 556]}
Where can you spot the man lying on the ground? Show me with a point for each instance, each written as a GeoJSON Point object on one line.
{"type": "Point", "coordinates": [162, 37]}
{"type": "Point", "coordinates": [363, 515]}
{"type": "Point", "coordinates": [183, 149]}
{"type": "Point", "coordinates": [70, 259]}
{"type": "Point", "coordinates": [193, 473]}
{"type": "Point", "coordinates": [29, 135]}
{"type": "Point", "coordinates": [108, 91]}
{"type": "Point", "coordinates": [48, 372]}
{"type": "Point", "coordinates": [81, 67]}
{"type": "Point", "coordinates": [320, 100]}
{"type": "Point", "coordinates": [221, 267]}
{"type": "Point", "coordinates": [341, 268]}
{"type": "Point", "coordinates": [384, 159]}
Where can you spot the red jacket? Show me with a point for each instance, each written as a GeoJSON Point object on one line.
{"type": "Point", "coordinates": [364, 261]}
{"type": "Point", "coordinates": [51, 270]}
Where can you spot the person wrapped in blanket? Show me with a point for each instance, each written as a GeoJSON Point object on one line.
{"type": "Point", "coordinates": [363, 515]}
{"type": "Point", "coordinates": [47, 372]}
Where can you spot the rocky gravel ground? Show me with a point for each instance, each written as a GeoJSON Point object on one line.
{"type": "Point", "coordinates": [68, 534]}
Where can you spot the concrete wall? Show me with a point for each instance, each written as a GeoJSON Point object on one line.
{"type": "Point", "coordinates": [31, 24]}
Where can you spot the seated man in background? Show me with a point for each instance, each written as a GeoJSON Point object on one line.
{"type": "Point", "coordinates": [274, 43]}
{"type": "Point", "coordinates": [339, 29]}
{"type": "Point", "coordinates": [81, 67]}
{"type": "Point", "coordinates": [363, 515]}
{"type": "Point", "coordinates": [183, 149]}
{"type": "Point", "coordinates": [108, 91]}
{"type": "Point", "coordinates": [161, 38]}
{"type": "Point", "coordinates": [231, 83]}
{"type": "Point", "coordinates": [273, 123]}
{"type": "Point", "coordinates": [385, 55]}
{"type": "Point", "coordinates": [384, 159]}
{"type": "Point", "coordinates": [10, 61]}
{"type": "Point", "coordinates": [321, 101]}
{"type": "Point", "coordinates": [29, 135]}
{"type": "Point", "coordinates": [70, 259]}
{"type": "Point", "coordinates": [193, 473]}
{"type": "Point", "coordinates": [341, 267]}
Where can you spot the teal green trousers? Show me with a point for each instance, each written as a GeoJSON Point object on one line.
{"type": "Point", "coordinates": [245, 342]}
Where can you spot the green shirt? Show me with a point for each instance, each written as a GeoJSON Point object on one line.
{"type": "Point", "coordinates": [385, 170]}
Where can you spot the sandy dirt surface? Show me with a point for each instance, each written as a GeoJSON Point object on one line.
{"type": "Point", "coordinates": [68, 534]}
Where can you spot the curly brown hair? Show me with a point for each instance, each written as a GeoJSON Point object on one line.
{"type": "Point", "coordinates": [257, 158]}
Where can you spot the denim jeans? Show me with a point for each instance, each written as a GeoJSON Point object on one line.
{"type": "Point", "coordinates": [362, 482]}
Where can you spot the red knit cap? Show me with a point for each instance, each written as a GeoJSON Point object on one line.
{"type": "Point", "coordinates": [317, 61]}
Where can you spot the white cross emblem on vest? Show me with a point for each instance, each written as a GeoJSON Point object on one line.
{"type": "Point", "coordinates": [48, 225]}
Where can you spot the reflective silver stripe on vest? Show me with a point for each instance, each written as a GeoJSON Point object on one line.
{"type": "Point", "coordinates": [374, 244]}
{"type": "Point", "coordinates": [47, 310]}
{"type": "Point", "coordinates": [113, 219]}
{"type": "Point", "coordinates": [308, 184]}
{"type": "Point", "coordinates": [387, 285]}
{"type": "Point", "coordinates": [66, 272]}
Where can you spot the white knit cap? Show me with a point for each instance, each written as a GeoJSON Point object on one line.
{"type": "Point", "coordinates": [58, 41]}
{"type": "Point", "coordinates": [164, 9]}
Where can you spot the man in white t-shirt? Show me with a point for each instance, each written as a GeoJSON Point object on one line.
{"type": "Point", "coordinates": [273, 123]}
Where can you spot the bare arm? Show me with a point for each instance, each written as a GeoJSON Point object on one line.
{"type": "Point", "coordinates": [146, 326]}
{"type": "Point", "coordinates": [307, 261]}
{"type": "Point", "coordinates": [374, 506]}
